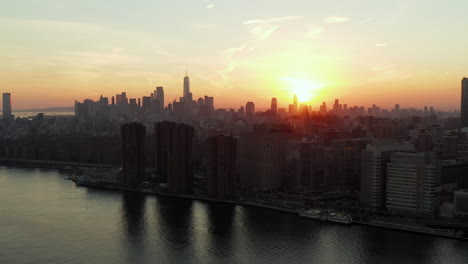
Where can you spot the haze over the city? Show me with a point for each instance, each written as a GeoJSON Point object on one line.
{"type": "Point", "coordinates": [363, 52]}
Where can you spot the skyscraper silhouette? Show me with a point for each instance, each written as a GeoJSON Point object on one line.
{"type": "Point", "coordinates": [274, 105]}
{"type": "Point", "coordinates": [221, 164]}
{"type": "Point", "coordinates": [186, 85]}
{"type": "Point", "coordinates": [7, 106]}
{"type": "Point", "coordinates": [133, 154]}
{"type": "Point", "coordinates": [160, 97]}
{"type": "Point", "coordinates": [173, 143]}
{"type": "Point", "coordinates": [464, 103]}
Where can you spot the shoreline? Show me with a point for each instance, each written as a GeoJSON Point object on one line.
{"type": "Point", "coordinates": [444, 233]}
{"type": "Point", "coordinates": [62, 166]}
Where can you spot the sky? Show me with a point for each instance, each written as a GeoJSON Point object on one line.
{"type": "Point", "coordinates": [363, 52]}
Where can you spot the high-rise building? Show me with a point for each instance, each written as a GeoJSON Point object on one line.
{"type": "Point", "coordinates": [295, 102]}
{"type": "Point", "coordinates": [209, 102]}
{"type": "Point", "coordinates": [304, 165]}
{"type": "Point", "coordinates": [187, 93]}
{"type": "Point", "coordinates": [221, 166]}
{"type": "Point", "coordinates": [262, 156]}
{"type": "Point", "coordinates": [464, 103]}
{"type": "Point", "coordinates": [323, 108]}
{"type": "Point", "coordinates": [133, 154]}
{"type": "Point", "coordinates": [374, 171]}
{"type": "Point", "coordinates": [274, 105]}
{"type": "Point", "coordinates": [249, 109]}
{"type": "Point", "coordinates": [411, 181]}
{"type": "Point", "coordinates": [344, 163]}
{"type": "Point", "coordinates": [160, 97]}
{"type": "Point", "coordinates": [7, 106]}
{"type": "Point", "coordinates": [173, 143]}
{"type": "Point", "coordinates": [461, 203]}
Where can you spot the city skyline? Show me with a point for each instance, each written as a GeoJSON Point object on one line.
{"type": "Point", "coordinates": [380, 53]}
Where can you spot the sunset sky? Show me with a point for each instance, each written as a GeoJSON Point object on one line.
{"type": "Point", "coordinates": [414, 53]}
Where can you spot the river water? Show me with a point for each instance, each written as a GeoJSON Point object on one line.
{"type": "Point", "coordinates": [46, 219]}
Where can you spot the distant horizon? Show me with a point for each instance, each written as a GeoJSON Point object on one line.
{"type": "Point", "coordinates": [55, 52]}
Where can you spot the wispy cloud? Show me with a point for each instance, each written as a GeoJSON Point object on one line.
{"type": "Point", "coordinates": [210, 6]}
{"type": "Point", "coordinates": [388, 73]}
{"type": "Point", "coordinates": [262, 29]}
{"type": "Point", "coordinates": [335, 19]}
{"type": "Point", "coordinates": [225, 74]}
{"type": "Point", "coordinates": [271, 20]}
{"type": "Point", "coordinates": [203, 26]}
{"type": "Point", "coordinates": [314, 31]}
{"type": "Point", "coordinates": [263, 32]}
{"type": "Point", "coordinates": [366, 20]}
{"type": "Point", "coordinates": [386, 44]}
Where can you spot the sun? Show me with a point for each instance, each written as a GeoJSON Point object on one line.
{"type": "Point", "coordinates": [305, 89]}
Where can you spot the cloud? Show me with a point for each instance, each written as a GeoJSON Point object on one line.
{"type": "Point", "coordinates": [388, 73]}
{"type": "Point", "coordinates": [210, 6]}
{"type": "Point", "coordinates": [314, 31]}
{"type": "Point", "coordinates": [271, 20]}
{"type": "Point", "coordinates": [225, 74]}
{"type": "Point", "coordinates": [335, 19]}
{"type": "Point", "coordinates": [263, 32]}
{"type": "Point", "coordinates": [203, 26]}
{"type": "Point", "coordinates": [366, 20]}
{"type": "Point", "coordinates": [386, 44]}
{"type": "Point", "coordinates": [262, 29]}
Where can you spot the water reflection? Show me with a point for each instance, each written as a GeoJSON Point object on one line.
{"type": "Point", "coordinates": [133, 227]}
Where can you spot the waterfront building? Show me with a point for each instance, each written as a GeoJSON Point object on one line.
{"type": "Point", "coordinates": [262, 155]}
{"type": "Point", "coordinates": [133, 154]}
{"type": "Point", "coordinates": [461, 203]}
{"type": "Point", "coordinates": [411, 182]}
{"type": "Point", "coordinates": [344, 164]}
{"type": "Point", "coordinates": [173, 155]}
{"type": "Point", "coordinates": [221, 166]}
{"type": "Point", "coordinates": [374, 171]}
{"type": "Point", "coordinates": [304, 168]}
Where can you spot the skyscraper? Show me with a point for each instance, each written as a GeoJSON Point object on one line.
{"type": "Point", "coordinates": [411, 181]}
{"type": "Point", "coordinates": [295, 102]}
{"type": "Point", "coordinates": [464, 103]}
{"type": "Point", "coordinates": [133, 154]}
{"type": "Point", "coordinates": [160, 97]}
{"type": "Point", "coordinates": [374, 171]}
{"type": "Point", "coordinates": [249, 109]}
{"type": "Point", "coordinates": [173, 143]}
{"type": "Point", "coordinates": [274, 105]}
{"type": "Point", "coordinates": [7, 106]}
{"type": "Point", "coordinates": [186, 86]}
{"type": "Point", "coordinates": [221, 166]}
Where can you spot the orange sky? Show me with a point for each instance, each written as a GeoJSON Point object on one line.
{"type": "Point", "coordinates": [54, 52]}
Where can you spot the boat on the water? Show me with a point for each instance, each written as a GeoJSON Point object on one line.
{"type": "Point", "coordinates": [340, 218]}
{"type": "Point", "coordinates": [311, 213]}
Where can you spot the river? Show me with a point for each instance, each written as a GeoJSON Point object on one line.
{"type": "Point", "coordinates": [46, 219]}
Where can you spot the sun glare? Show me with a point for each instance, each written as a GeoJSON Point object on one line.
{"type": "Point", "coordinates": [305, 89]}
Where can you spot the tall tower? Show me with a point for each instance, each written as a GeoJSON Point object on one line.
{"type": "Point", "coordinates": [274, 105]}
{"type": "Point", "coordinates": [173, 155]}
{"type": "Point", "coordinates": [249, 109]}
{"type": "Point", "coordinates": [186, 85]}
{"type": "Point", "coordinates": [295, 103]}
{"type": "Point", "coordinates": [160, 96]}
{"type": "Point", "coordinates": [7, 106]}
{"type": "Point", "coordinates": [464, 103]}
{"type": "Point", "coordinates": [133, 154]}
